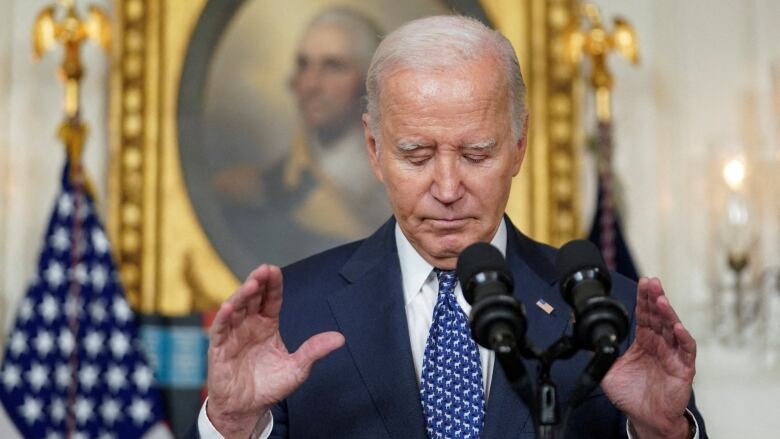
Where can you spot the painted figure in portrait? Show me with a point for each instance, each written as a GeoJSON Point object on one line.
{"type": "Point", "coordinates": [319, 193]}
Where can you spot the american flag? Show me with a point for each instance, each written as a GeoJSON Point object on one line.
{"type": "Point", "coordinates": [546, 307]}
{"type": "Point", "coordinates": [73, 364]}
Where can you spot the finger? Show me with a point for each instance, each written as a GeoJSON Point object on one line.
{"type": "Point", "coordinates": [249, 291]}
{"type": "Point", "coordinates": [240, 298]}
{"type": "Point", "coordinates": [642, 313]}
{"type": "Point", "coordinates": [666, 307]}
{"type": "Point", "coordinates": [686, 342]}
{"type": "Point", "coordinates": [256, 300]}
{"type": "Point", "coordinates": [272, 302]}
{"type": "Point", "coordinates": [220, 324]}
{"type": "Point", "coordinates": [224, 319]}
{"type": "Point", "coordinates": [316, 348]}
{"type": "Point", "coordinates": [656, 319]}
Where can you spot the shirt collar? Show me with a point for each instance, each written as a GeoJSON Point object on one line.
{"type": "Point", "coordinates": [415, 270]}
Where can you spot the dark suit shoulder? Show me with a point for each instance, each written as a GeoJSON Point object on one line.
{"type": "Point", "coordinates": [322, 266]}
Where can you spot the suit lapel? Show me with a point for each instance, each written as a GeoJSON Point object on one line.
{"type": "Point", "coordinates": [534, 276]}
{"type": "Point", "coordinates": [370, 313]}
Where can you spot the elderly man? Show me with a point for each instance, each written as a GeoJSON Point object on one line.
{"type": "Point", "coordinates": [445, 132]}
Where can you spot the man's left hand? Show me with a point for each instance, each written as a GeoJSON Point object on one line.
{"type": "Point", "coordinates": [652, 382]}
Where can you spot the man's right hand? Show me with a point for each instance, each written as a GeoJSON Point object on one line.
{"type": "Point", "coordinates": [250, 369]}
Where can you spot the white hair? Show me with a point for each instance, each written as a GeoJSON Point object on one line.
{"type": "Point", "coordinates": [440, 42]}
{"type": "Point", "coordinates": [365, 34]}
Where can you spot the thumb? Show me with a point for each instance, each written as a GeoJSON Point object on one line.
{"type": "Point", "coordinates": [317, 347]}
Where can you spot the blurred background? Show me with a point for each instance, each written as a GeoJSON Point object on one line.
{"type": "Point", "coordinates": [695, 130]}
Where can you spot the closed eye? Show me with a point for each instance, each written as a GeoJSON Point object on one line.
{"type": "Point", "coordinates": [472, 158]}
{"type": "Point", "coordinates": [418, 160]}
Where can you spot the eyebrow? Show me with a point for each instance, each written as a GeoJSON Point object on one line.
{"type": "Point", "coordinates": [408, 146]}
{"type": "Point", "coordinates": [482, 144]}
{"type": "Point", "coordinates": [485, 145]}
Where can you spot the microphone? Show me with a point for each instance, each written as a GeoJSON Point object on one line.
{"type": "Point", "coordinates": [497, 319]}
{"type": "Point", "coordinates": [601, 322]}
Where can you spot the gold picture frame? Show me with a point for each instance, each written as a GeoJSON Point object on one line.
{"type": "Point", "coordinates": [166, 261]}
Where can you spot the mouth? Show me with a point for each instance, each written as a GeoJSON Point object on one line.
{"type": "Point", "coordinates": [448, 223]}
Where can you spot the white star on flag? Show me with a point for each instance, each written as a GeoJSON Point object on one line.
{"type": "Point", "coordinates": [65, 341]}
{"type": "Point", "coordinates": [83, 409]}
{"type": "Point", "coordinates": [99, 277]}
{"type": "Point", "coordinates": [11, 376]}
{"type": "Point", "coordinates": [49, 308]}
{"type": "Point", "coordinates": [73, 307]}
{"type": "Point", "coordinates": [38, 376]}
{"type": "Point", "coordinates": [65, 205]}
{"type": "Point", "coordinates": [140, 410]}
{"type": "Point", "coordinates": [18, 343]}
{"type": "Point", "coordinates": [31, 409]}
{"type": "Point", "coordinates": [110, 410]}
{"type": "Point", "coordinates": [60, 240]}
{"type": "Point", "coordinates": [119, 344]}
{"type": "Point", "coordinates": [97, 311]}
{"type": "Point", "coordinates": [116, 377]}
{"type": "Point", "coordinates": [79, 273]}
{"type": "Point", "coordinates": [143, 377]}
{"type": "Point", "coordinates": [54, 275]}
{"type": "Point", "coordinates": [62, 376]}
{"type": "Point", "coordinates": [25, 310]}
{"type": "Point", "coordinates": [57, 409]}
{"type": "Point", "coordinates": [44, 343]}
{"type": "Point", "coordinates": [93, 343]}
{"type": "Point", "coordinates": [121, 310]}
{"type": "Point", "coordinates": [99, 241]}
{"type": "Point", "coordinates": [88, 375]}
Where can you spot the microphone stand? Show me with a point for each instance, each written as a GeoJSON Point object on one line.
{"type": "Point", "coordinates": [543, 402]}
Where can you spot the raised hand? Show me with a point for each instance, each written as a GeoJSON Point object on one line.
{"type": "Point", "coordinates": [249, 367]}
{"type": "Point", "coordinates": [652, 382]}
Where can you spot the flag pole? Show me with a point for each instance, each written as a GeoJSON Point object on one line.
{"type": "Point", "coordinates": [61, 24]}
{"type": "Point", "coordinates": [597, 43]}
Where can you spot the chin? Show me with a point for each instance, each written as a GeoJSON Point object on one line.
{"type": "Point", "coordinates": [451, 246]}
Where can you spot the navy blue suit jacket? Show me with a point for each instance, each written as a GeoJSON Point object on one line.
{"type": "Point", "coordinates": [369, 388]}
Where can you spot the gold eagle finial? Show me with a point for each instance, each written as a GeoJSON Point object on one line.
{"type": "Point", "coordinates": [596, 43]}
{"type": "Point", "coordinates": [61, 23]}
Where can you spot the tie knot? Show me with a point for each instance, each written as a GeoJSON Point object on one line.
{"type": "Point", "coordinates": [447, 280]}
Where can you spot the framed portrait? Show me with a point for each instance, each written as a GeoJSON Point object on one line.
{"type": "Point", "coordinates": [237, 140]}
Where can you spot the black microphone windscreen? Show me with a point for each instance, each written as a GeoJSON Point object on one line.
{"type": "Point", "coordinates": [576, 255]}
{"type": "Point", "coordinates": [480, 257]}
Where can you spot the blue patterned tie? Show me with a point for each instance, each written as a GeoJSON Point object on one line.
{"type": "Point", "coordinates": [451, 385]}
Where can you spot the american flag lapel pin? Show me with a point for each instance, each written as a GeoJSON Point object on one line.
{"type": "Point", "coordinates": [546, 307]}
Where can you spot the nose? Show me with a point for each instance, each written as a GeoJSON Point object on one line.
{"type": "Point", "coordinates": [447, 185]}
{"type": "Point", "coordinates": [307, 80]}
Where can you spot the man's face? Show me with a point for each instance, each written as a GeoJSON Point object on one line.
{"type": "Point", "coordinates": [328, 81]}
{"type": "Point", "coordinates": [446, 156]}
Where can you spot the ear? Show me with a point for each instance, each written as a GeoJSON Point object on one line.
{"type": "Point", "coordinates": [372, 148]}
{"type": "Point", "coordinates": [521, 147]}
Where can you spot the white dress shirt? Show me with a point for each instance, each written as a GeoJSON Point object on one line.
{"type": "Point", "coordinates": [421, 288]}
